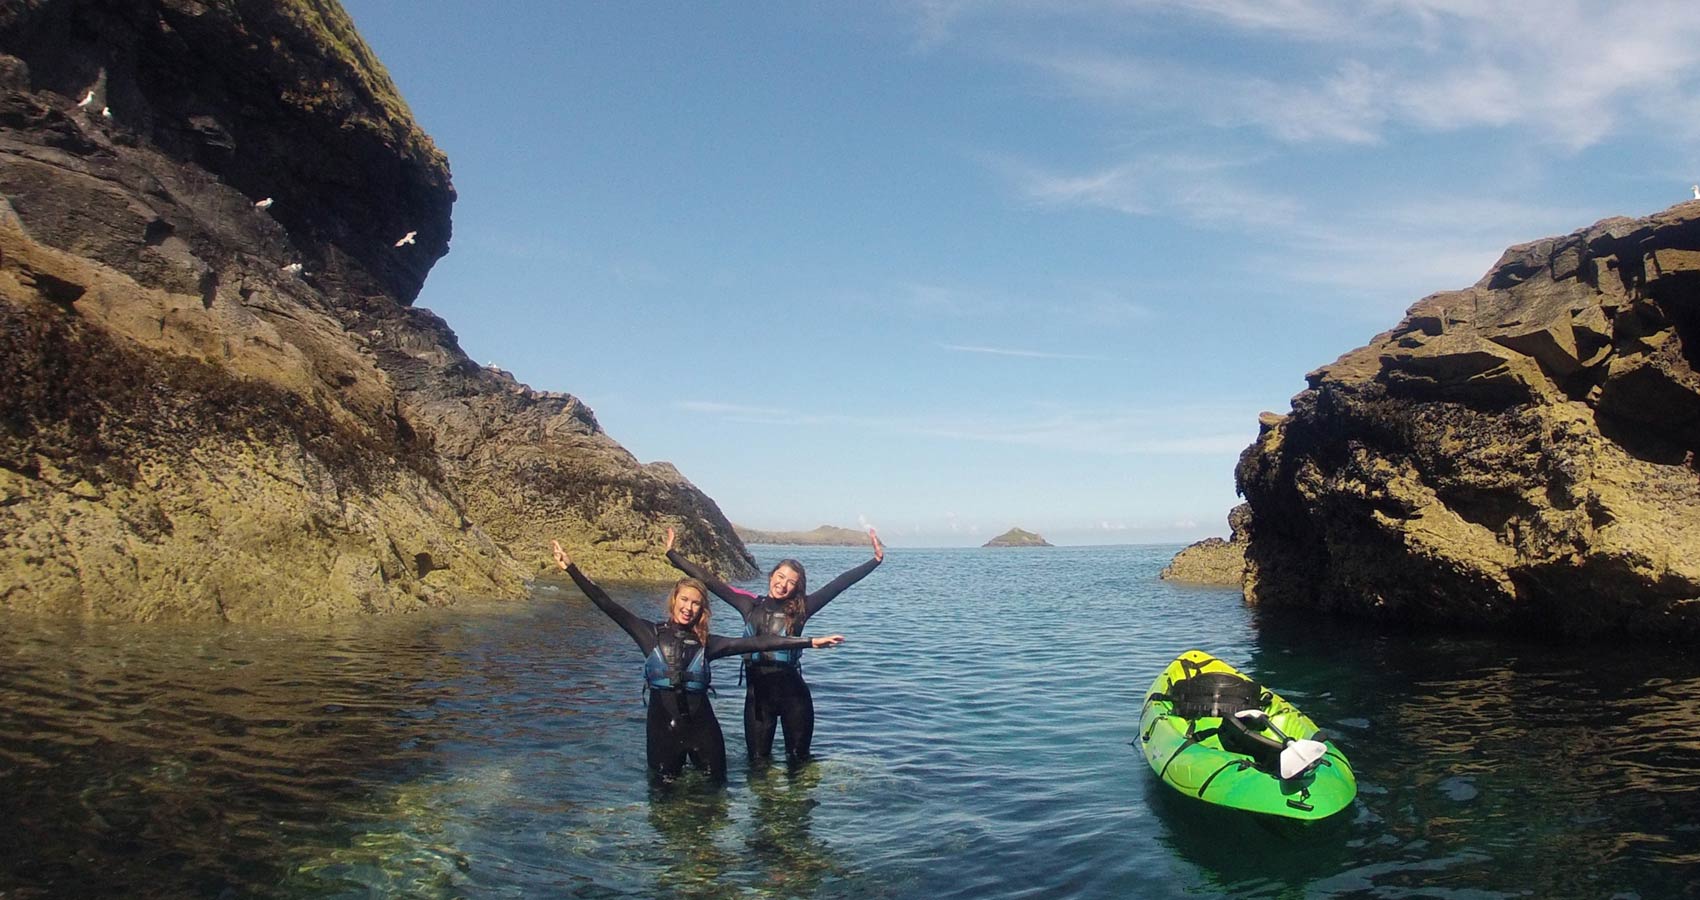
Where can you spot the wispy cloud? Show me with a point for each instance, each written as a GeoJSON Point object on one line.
{"type": "Point", "coordinates": [1163, 431]}
{"type": "Point", "coordinates": [1003, 351]}
{"type": "Point", "coordinates": [1351, 72]}
{"type": "Point", "coordinates": [739, 412]}
{"type": "Point", "coordinates": [1197, 188]}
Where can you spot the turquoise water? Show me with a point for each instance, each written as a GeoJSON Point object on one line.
{"type": "Point", "coordinates": [973, 742]}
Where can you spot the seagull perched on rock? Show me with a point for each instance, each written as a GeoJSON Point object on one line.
{"type": "Point", "coordinates": [106, 112]}
{"type": "Point", "coordinates": [406, 238]}
{"type": "Point", "coordinates": [263, 204]}
{"type": "Point", "coordinates": [87, 99]}
{"type": "Point", "coordinates": [1696, 188]}
{"type": "Point", "coordinates": [293, 268]}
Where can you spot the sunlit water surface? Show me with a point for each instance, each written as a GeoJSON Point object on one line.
{"type": "Point", "coordinates": [973, 742]}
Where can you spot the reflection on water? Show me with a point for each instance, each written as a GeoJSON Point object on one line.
{"type": "Point", "coordinates": [498, 752]}
{"type": "Point", "coordinates": [794, 862]}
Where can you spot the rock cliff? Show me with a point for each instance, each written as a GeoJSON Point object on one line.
{"type": "Point", "coordinates": [219, 401]}
{"type": "Point", "coordinates": [1518, 455]}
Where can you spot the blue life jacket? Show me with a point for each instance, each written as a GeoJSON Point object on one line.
{"type": "Point", "coordinates": [677, 662]}
{"type": "Point", "coordinates": [768, 617]}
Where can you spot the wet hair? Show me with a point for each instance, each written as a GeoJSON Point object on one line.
{"type": "Point", "coordinates": [799, 594]}
{"type": "Point", "coordinates": [700, 626]}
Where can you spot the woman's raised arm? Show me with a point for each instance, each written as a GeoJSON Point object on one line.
{"type": "Point", "coordinates": [742, 601]}
{"type": "Point", "coordinates": [836, 586]}
{"type": "Point", "coordinates": [640, 630]}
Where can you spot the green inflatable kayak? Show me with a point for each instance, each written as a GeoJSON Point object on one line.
{"type": "Point", "coordinates": [1215, 735]}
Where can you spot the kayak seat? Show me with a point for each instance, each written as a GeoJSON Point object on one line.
{"type": "Point", "coordinates": [1239, 736]}
{"type": "Point", "coordinates": [1214, 694]}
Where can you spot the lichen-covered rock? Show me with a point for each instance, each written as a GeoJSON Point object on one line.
{"type": "Point", "coordinates": [218, 400]}
{"type": "Point", "coordinates": [1213, 561]}
{"type": "Point", "coordinates": [1519, 454]}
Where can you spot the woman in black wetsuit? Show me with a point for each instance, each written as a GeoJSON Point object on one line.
{"type": "Point", "coordinates": [777, 694]}
{"type": "Point", "coordinates": [676, 657]}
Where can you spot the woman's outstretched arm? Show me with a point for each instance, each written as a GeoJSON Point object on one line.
{"type": "Point", "coordinates": [724, 646]}
{"type": "Point", "coordinates": [640, 630]}
{"type": "Point", "coordinates": [742, 601]}
{"type": "Point", "coordinates": [836, 586]}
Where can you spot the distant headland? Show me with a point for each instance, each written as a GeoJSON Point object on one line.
{"type": "Point", "coordinates": [824, 536]}
{"type": "Point", "coordinates": [1015, 537]}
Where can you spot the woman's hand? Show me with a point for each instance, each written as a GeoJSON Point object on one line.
{"type": "Point", "coordinates": [831, 640]}
{"type": "Point", "coordinates": [669, 547]}
{"type": "Point", "coordinates": [879, 549]}
{"type": "Point", "coordinates": [561, 557]}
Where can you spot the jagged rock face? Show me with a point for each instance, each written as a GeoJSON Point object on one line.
{"type": "Point", "coordinates": [190, 426]}
{"type": "Point", "coordinates": [1519, 454]}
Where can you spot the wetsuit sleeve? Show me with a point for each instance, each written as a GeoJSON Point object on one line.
{"type": "Point", "coordinates": [836, 586]}
{"type": "Point", "coordinates": [641, 631]}
{"type": "Point", "coordinates": [743, 601]}
{"type": "Point", "coordinates": [724, 646]}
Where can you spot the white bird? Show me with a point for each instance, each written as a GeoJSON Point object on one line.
{"type": "Point", "coordinates": [293, 268]}
{"type": "Point", "coordinates": [406, 238]}
{"type": "Point", "coordinates": [106, 112]}
{"type": "Point", "coordinates": [1696, 188]}
{"type": "Point", "coordinates": [87, 99]}
{"type": "Point", "coordinates": [263, 204]}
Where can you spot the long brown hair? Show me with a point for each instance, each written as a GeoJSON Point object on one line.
{"type": "Point", "coordinates": [700, 626]}
{"type": "Point", "coordinates": [799, 594]}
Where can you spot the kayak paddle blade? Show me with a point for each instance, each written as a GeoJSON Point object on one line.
{"type": "Point", "coordinates": [1299, 756]}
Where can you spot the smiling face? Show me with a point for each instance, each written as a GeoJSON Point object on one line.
{"type": "Point", "coordinates": [686, 606]}
{"type": "Point", "coordinates": [783, 582]}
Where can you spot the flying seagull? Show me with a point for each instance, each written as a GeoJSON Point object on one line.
{"type": "Point", "coordinates": [263, 204]}
{"type": "Point", "coordinates": [87, 99]}
{"type": "Point", "coordinates": [406, 238]}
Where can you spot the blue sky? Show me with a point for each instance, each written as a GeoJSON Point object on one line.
{"type": "Point", "coordinates": [950, 267]}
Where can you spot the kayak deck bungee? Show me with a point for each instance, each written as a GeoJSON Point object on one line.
{"type": "Point", "coordinates": [1189, 734]}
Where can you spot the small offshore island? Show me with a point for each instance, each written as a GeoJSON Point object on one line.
{"type": "Point", "coordinates": [1016, 537]}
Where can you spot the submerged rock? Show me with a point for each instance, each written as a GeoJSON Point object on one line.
{"type": "Point", "coordinates": [219, 400]}
{"type": "Point", "coordinates": [1519, 454]}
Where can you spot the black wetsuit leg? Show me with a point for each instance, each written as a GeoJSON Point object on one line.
{"type": "Point", "coordinates": [778, 697]}
{"type": "Point", "coordinates": [678, 730]}
{"type": "Point", "coordinates": [761, 716]}
{"type": "Point", "coordinates": [797, 716]}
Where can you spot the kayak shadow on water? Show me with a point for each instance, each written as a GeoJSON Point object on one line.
{"type": "Point", "coordinates": [1246, 854]}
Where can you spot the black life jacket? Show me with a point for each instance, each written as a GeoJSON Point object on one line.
{"type": "Point", "coordinates": [768, 617]}
{"type": "Point", "coordinates": [678, 661]}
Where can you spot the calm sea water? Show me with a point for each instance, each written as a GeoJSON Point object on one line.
{"type": "Point", "coordinates": [973, 739]}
